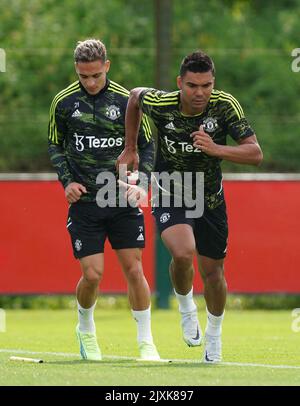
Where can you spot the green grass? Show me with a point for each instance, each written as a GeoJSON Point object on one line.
{"type": "Point", "coordinates": [255, 337]}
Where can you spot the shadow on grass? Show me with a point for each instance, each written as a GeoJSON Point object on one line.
{"type": "Point", "coordinates": [133, 364]}
{"type": "Point", "coordinates": [86, 362]}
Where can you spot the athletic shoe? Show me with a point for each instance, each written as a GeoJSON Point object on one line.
{"type": "Point", "coordinates": [89, 349]}
{"type": "Point", "coordinates": [148, 352]}
{"type": "Point", "coordinates": [213, 349]}
{"type": "Point", "coordinates": [191, 329]}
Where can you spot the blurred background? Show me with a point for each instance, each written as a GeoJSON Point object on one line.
{"type": "Point", "coordinates": [254, 46]}
{"type": "Point", "coordinates": [250, 41]}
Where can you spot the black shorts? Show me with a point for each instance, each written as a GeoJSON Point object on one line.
{"type": "Point", "coordinates": [210, 230]}
{"type": "Point", "coordinates": [89, 225]}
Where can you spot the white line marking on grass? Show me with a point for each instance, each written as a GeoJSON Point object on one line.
{"type": "Point", "coordinates": [61, 354]}
{"type": "Point", "coordinates": [120, 357]}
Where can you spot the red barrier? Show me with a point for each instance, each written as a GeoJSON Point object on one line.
{"type": "Point", "coordinates": [36, 255]}
{"type": "Point", "coordinates": [35, 249]}
{"type": "Point", "coordinates": [263, 245]}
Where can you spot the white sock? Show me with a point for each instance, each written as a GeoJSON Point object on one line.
{"type": "Point", "coordinates": [86, 319]}
{"type": "Point", "coordinates": [186, 302]}
{"type": "Point", "coordinates": [214, 324]}
{"type": "Point", "coordinates": [143, 320]}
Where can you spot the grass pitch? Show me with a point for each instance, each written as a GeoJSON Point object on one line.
{"type": "Point", "coordinates": [259, 348]}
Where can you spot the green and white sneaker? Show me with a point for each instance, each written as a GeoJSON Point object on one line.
{"type": "Point", "coordinates": [89, 348]}
{"type": "Point", "coordinates": [148, 352]}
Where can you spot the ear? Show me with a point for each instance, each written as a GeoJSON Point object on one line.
{"type": "Point", "coordinates": [179, 82]}
{"type": "Point", "coordinates": [107, 65]}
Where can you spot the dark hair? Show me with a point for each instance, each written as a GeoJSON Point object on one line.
{"type": "Point", "coordinates": [90, 50]}
{"type": "Point", "coordinates": [197, 62]}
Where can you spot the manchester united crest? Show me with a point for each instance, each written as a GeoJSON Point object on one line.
{"type": "Point", "coordinates": [113, 112]}
{"type": "Point", "coordinates": [210, 125]}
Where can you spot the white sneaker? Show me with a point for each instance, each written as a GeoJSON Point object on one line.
{"type": "Point", "coordinates": [213, 349]}
{"type": "Point", "coordinates": [191, 329]}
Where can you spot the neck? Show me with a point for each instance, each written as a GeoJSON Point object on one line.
{"type": "Point", "coordinates": [189, 111]}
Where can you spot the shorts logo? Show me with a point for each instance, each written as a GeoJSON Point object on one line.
{"type": "Point", "coordinates": [164, 217]}
{"type": "Point", "coordinates": [78, 245]}
{"type": "Point", "coordinates": [141, 235]}
{"type": "Point", "coordinates": [113, 112]}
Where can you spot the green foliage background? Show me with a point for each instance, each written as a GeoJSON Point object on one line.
{"type": "Point", "coordinates": [250, 41]}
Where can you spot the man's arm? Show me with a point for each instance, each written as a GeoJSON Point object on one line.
{"type": "Point", "coordinates": [247, 151]}
{"type": "Point", "coordinates": [146, 148]}
{"type": "Point", "coordinates": [73, 190]}
{"type": "Point", "coordinates": [133, 117]}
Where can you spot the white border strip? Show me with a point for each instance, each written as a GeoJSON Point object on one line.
{"type": "Point", "coordinates": [116, 357]}
{"type": "Point", "coordinates": [262, 176]}
{"type": "Point", "coordinates": [49, 176]}
{"type": "Point", "coordinates": [28, 176]}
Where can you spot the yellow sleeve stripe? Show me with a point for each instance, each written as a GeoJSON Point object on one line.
{"type": "Point", "coordinates": [235, 104]}
{"type": "Point", "coordinates": [116, 90]}
{"type": "Point", "coordinates": [171, 94]}
{"type": "Point", "coordinates": [146, 127]}
{"type": "Point", "coordinates": [52, 124]}
{"type": "Point", "coordinates": [74, 85]}
{"type": "Point", "coordinates": [158, 98]}
{"type": "Point", "coordinates": [119, 87]}
{"type": "Point", "coordinates": [53, 128]}
{"type": "Point", "coordinates": [218, 95]}
{"type": "Point", "coordinates": [63, 93]}
{"type": "Point", "coordinates": [115, 87]}
{"type": "Point", "coordinates": [160, 103]}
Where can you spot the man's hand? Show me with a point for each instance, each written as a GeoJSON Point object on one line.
{"type": "Point", "coordinates": [205, 143]}
{"type": "Point", "coordinates": [130, 158]}
{"type": "Point", "coordinates": [74, 191]}
{"type": "Point", "coordinates": [135, 195]}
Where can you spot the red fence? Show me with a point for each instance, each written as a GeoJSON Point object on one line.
{"type": "Point", "coordinates": [36, 255]}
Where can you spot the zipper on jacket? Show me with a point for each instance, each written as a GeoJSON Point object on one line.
{"type": "Point", "coordinates": [94, 116]}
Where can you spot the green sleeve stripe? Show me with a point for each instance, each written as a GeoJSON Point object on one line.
{"type": "Point", "coordinates": [235, 104]}
{"type": "Point", "coordinates": [52, 124]}
{"type": "Point", "coordinates": [146, 127]}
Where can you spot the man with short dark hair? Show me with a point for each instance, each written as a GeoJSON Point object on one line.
{"type": "Point", "coordinates": [86, 134]}
{"type": "Point", "coordinates": [193, 124]}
